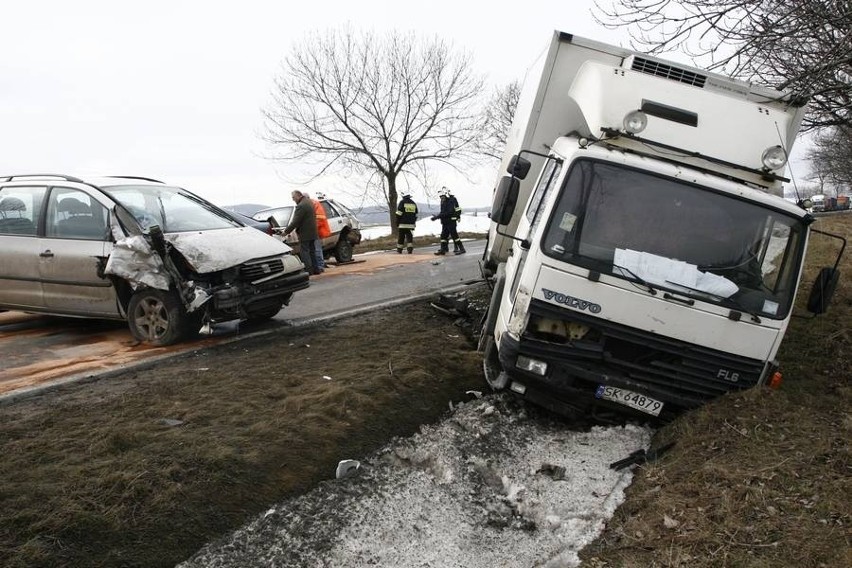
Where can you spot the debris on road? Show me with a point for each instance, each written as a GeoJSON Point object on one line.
{"type": "Point", "coordinates": [347, 468]}
{"type": "Point", "coordinates": [641, 456]}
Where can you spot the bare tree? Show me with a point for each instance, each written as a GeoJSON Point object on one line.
{"type": "Point", "coordinates": [830, 157]}
{"type": "Point", "coordinates": [497, 119]}
{"type": "Point", "coordinates": [386, 107]}
{"type": "Point", "coordinates": [799, 45]}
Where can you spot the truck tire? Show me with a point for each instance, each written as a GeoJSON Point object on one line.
{"type": "Point", "coordinates": [343, 251]}
{"type": "Point", "coordinates": [156, 317]}
{"type": "Point", "coordinates": [495, 376]}
{"type": "Point", "coordinates": [490, 318]}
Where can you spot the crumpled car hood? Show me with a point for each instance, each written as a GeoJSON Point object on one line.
{"type": "Point", "coordinates": [211, 251]}
{"type": "Point", "coordinates": [133, 259]}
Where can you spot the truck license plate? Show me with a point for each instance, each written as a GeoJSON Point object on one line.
{"type": "Point", "coordinates": [629, 398]}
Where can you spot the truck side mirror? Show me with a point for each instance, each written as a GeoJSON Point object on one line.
{"type": "Point", "coordinates": [505, 200]}
{"type": "Point", "coordinates": [823, 290]}
{"type": "Point", "coordinates": [519, 167]}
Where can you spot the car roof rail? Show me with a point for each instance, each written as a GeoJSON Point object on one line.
{"type": "Point", "coordinates": [138, 177]}
{"type": "Point", "coordinates": [42, 176]}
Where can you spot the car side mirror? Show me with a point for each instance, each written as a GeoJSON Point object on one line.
{"type": "Point", "coordinates": [505, 200]}
{"type": "Point", "coordinates": [823, 290]}
{"type": "Point", "coordinates": [518, 167]}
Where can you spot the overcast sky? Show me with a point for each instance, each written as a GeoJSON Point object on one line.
{"type": "Point", "coordinates": [173, 89]}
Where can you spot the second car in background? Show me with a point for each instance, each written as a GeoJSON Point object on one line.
{"type": "Point", "coordinates": [345, 227]}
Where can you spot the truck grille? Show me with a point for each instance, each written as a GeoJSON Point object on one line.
{"type": "Point", "coordinates": [667, 368]}
{"type": "Point", "coordinates": [667, 71]}
{"type": "Point", "coordinates": [263, 268]}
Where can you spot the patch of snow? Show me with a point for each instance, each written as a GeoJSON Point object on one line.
{"type": "Point", "coordinates": [468, 223]}
{"type": "Point", "coordinates": [490, 485]}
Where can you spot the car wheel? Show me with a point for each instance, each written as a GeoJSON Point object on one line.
{"type": "Point", "coordinates": [156, 317]}
{"type": "Point", "coordinates": [343, 251]}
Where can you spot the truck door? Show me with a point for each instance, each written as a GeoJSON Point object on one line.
{"type": "Point", "coordinates": [530, 222]}
{"type": "Point", "coordinates": [74, 249]}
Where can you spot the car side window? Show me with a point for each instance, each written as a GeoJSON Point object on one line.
{"type": "Point", "coordinates": [329, 210]}
{"type": "Point", "coordinates": [74, 214]}
{"type": "Point", "coordinates": [20, 208]}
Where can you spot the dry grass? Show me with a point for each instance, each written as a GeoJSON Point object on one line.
{"type": "Point", "coordinates": [758, 479]}
{"type": "Point", "coordinates": [98, 474]}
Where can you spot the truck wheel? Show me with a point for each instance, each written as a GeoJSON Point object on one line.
{"type": "Point", "coordinates": [495, 376]}
{"type": "Point", "coordinates": [343, 251]}
{"type": "Point", "coordinates": [156, 317]}
{"type": "Point", "coordinates": [490, 318]}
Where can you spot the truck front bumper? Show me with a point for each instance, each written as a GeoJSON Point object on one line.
{"type": "Point", "coordinates": [569, 385]}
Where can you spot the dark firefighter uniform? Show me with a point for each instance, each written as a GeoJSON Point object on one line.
{"type": "Point", "coordinates": [449, 215]}
{"type": "Point", "coordinates": [406, 217]}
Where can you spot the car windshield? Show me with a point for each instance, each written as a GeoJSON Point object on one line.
{"type": "Point", "coordinates": [670, 234]}
{"type": "Point", "coordinates": [173, 209]}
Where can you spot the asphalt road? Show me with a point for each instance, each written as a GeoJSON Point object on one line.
{"type": "Point", "coordinates": [41, 352]}
{"type": "Point", "coordinates": [403, 277]}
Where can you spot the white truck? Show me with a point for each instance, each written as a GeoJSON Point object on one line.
{"type": "Point", "coordinates": [641, 257]}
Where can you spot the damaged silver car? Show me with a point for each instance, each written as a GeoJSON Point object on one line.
{"type": "Point", "coordinates": [136, 249]}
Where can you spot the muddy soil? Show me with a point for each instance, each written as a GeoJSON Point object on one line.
{"type": "Point", "coordinates": [142, 468]}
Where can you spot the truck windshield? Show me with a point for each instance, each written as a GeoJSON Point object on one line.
{"type": "Point", "coordinates": [673, 235]}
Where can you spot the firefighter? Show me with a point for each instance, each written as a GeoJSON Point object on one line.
{"type": "Point", "coordinates": [406, 217]}
{"type": "Point", "coordinates": [449, 216]}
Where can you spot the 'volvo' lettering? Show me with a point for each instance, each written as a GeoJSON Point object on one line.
{"type": "Point", "coordinates": [571, 301]}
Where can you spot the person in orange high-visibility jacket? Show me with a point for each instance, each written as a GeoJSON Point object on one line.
{"type": "Point", "coordinates": [323, 231]}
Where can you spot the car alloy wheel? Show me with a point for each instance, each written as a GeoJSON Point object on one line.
{"type": "Point", "coordinates": [156, 317]}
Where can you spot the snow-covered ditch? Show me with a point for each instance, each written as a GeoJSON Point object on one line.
{"type": "Point", "coordinates": [490, 485]}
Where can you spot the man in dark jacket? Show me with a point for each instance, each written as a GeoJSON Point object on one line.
{"type": "Point", "coordinates": [449, 216]}
{"type": "Point", "coordinates": [304, 222]}
{"type": "Point", "coordinates": [406, 217]}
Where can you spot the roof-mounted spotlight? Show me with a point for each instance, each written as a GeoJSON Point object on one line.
{"type": "Point", "coordinates": [635, 122]}
{"type": "Point", "coordinates": [774, 158]}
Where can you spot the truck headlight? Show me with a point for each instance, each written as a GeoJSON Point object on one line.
{"type": "Point", "coordinates": [774, 158]}
{"type": "Point", "coordinates": [635, 122]}
{"type": "Point", "coordinates": [532, 365]}
{"type": "Point", "coordinates": [520, 312]}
